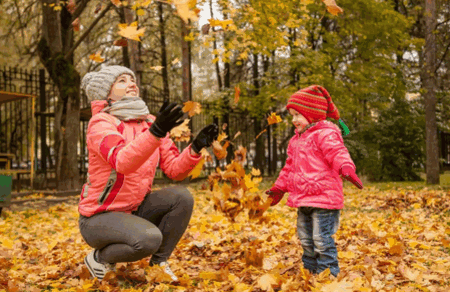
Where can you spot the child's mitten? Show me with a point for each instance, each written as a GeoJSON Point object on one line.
{"type": "Point", "coordinates": [276, 195]}
{"type": "Point", "coordinates": [349, 174]}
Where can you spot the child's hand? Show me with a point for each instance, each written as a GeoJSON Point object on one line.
{"type": "Point", "coordinates": [349, 174]}
{"type": "Point", "coordinates": [276, 195]}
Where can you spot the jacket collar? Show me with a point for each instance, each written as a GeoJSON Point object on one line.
{"type": "Point", "coordinates": [97, 106]}
{"type": "Point", "coordinates": [324, 124]}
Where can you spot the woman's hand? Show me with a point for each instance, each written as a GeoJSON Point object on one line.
{"type": "Point", "coordinates": [167, 118]}
{"type": "Point", "coordinates": [205, 138]}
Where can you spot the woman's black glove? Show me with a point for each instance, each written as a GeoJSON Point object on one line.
{"type": "Point", "coordinates": [205, 138]}
{"type": "Point", "coordinates": [167, 118]}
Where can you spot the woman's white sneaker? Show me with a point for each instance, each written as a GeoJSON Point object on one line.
{"type": "Point", "coordinates": [97, 269]}
{"type": "Point", "coordinates": [168, 271]}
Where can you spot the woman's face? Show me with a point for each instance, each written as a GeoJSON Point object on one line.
{"type": "Point", "coordinates": [298, 119]}
{"type": "Point", "coordinates": [125, 85]}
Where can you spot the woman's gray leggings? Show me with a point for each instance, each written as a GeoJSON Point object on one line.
{"type": "Point", "coordinates": [154, 229]}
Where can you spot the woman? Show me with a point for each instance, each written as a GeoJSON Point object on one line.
{"type": "Point", "coordinates": [120, 216]}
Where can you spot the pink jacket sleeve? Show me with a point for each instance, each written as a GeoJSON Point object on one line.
{"type": "Point", "coordinates": [334, 151]}
{"type": "Point", "coordinates": [104, 138]}
{"type": "Point", "coordinates": [175, 165]}
{"type": "Point", "coordinates": [283, 178]}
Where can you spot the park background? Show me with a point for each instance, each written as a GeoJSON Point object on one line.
{"type": "Point", "coordinates": [385, 64]}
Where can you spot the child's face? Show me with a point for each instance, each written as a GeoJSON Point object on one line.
{"type": "Point", "coordinates": [298, 119]}
{"type": "Point", "coordinates": [125, 85]}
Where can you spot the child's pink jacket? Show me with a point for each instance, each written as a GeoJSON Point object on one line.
{"type": "Point", "coordinates": [311, 174]}
{"type": "Point", "coordinates": [123, 156]}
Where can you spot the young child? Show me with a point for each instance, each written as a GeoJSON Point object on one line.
{"type": "Point", "coordinates": [316, 158]}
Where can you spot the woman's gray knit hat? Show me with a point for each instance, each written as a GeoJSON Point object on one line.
{"type": "Point", "coordinates": [97, 85]}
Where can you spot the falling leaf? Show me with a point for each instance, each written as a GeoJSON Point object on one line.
{"type": "Point", "coordinates": [131, 31]}
{"type": "Point", "coordinates": [122, 42]}
{"type": "Point", "coordinates": [76, 24]}
{"type": "Point", "coordinates": [175, 61]}
{"type": "Point", "coordinates": [117, 3]}
{"type": "Point", "coordinates": [205, 28]}
{"type": "Point", "coordinates": [71, 6]}
{"type": "Point", "coordinates": [184, 10]}
{"type": "Point", "coordinates": [237, 135]}
{"type": "Point", "coordinates": [256, 172]}
{"type": "Point", "coordinates": [157, 68]}
{"type": "Point", "coordinates": [97, 58]}
{"type": "Point", "coordinates": [181, 133]}
{"type": "Point", "coordinates": [240, 155]}
{"type": "Point", "coordinates": [274, 119]}
{"type": "Point", "coordinates": [98, 7]}
{"type": "Point", "coordinates": [192, 108]}
{"type": "Point", "coordinates": [140, 12]}
{"type": "Point", "coordinates": [332, 7]}
{"type": "Point", "coordinates": [222, 136]}
{"type": "Point", "coordinates": [263, 131]}
{"type": "Point", "coordinates": [237, 93]}
{"type": "Point", "coordinates": [220, 151]}
{"type": "Point", "coordinates": [197, 169]}
{"type": "Point", "coordinates": [224, 126]}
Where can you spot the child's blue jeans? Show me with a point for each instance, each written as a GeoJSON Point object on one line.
{"type": "Point", "coordinates": [315, 227]}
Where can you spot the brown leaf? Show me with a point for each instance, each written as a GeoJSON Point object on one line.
{"type": "Point", "coordinates": [122, 42]}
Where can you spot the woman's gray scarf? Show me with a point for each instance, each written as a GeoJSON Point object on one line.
{"type": "Point", "coordinates": [128, 108]}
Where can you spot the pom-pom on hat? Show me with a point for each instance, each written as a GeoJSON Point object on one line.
{"type": "Point", "coordinates": [315, 104]}
{"type": "Point", "coordinates": [97, 85]}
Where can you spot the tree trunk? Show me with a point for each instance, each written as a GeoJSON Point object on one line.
{"type": "Point", "coordinates": [57, 39]}
{"type": "Point", "coordinates": [134, 52]}
{"type": "Point", "coordinates": [429, 83]}
{"type": "Point", "coordinates": [162, 39]}
{"type": "Point", "coordinates": [186, 62]}
{"type": "Point", "coordinates": [259, 147]}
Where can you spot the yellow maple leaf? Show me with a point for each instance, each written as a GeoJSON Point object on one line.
{"type": "Point", "coordinates": [184, 10]}
{"type": "Point", "coordinates": [197, 169]}
{"type": "Point", "coordinates": [332, 7]}
{"type": "Point", "coordinates": [192, 108]}
{"type": "Point", "coordinates": [273, 119]}
{"type": "Point", "coordinates": [256, 172]}
{"type": "Point", "coordinates": [131, 31]}
{"type": "Point", "coordinates": [181, 133]}
{"type": "Point", "coordinates": [7, 243]}
{"type": "Point", "coordinates": [221, 137]}
{"type": "Point", "coordinates": [266, 282]}
{"type": "Point", "coordinates": [97, 58]}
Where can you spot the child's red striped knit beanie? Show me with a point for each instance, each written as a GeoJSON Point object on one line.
{"type": "Point", "coordinates": [315, 104]}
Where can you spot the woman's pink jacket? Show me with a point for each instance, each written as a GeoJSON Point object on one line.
{"type": "Point", "coordinates": [311, 174]}
{"type": "Point", "coordinates": [123, 156]}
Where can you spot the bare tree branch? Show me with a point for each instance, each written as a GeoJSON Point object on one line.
{"type": "Point", "coordinates": [443, 58]}
{"type": "Point", "coordinates": [86, 33]}
{"type": "Point", "coordinates": [79, 9]}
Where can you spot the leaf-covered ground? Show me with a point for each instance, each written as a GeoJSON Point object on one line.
{"type": "Point", "coordinates": [390, 239]}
